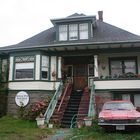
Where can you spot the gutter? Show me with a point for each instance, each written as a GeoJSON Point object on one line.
{"type": "Point", "coordinates": [65, 44]}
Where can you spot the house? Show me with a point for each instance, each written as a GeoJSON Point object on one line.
{"type": "Point", "coordinates": [82, 48]}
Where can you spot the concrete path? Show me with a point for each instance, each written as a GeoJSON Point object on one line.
{"type": "Point", "coordinates": [60, 134]}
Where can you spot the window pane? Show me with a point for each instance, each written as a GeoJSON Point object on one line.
{"type": "Point", "coordinates": [44, 68]}
{"type": "Point", "coordinates": [91, 69]}
{"type": "Point", "coordinates": [137, 100]}
{"type": "Point", "coordinates": [73, 32]}
{"type": "Point", "coordinates": [63, 32]}
{"type": "Point", "coordinates": [130, 66]}
{"type": "Point", "coordinates": [116, 67]}
{"type": "Point", "coordinates": [24, 70]}
{"type": "Point", "coordinates": [24, 73]}
{"type": "Point", "coordinates": [83, 31]}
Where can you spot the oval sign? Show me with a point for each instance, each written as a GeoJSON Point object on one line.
{"type": "Point", "coordinates": [22, 98]}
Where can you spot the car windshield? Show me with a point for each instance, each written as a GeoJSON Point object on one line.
{"type": "Point", "coordinates": [118, 106]}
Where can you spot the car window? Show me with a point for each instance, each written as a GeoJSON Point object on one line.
{"type": "Point", "coordinates": [118, 106]}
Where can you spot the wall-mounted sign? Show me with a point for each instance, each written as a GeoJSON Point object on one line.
{"type": "Point", "coordinates": [22, 98]}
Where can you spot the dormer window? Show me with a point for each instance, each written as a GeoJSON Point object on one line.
{"type": "Point", "coordinates": [63, 32]}
{"type": "Point", "coordinates": [83, 31]}
{"type": "Point", "coordinates": [73, 31]}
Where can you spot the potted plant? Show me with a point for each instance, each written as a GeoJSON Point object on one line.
{"type": "Point", "coordinates": [40, 119]}
{"type": "Point", "coordinates": [88, 121]}
{"type": "Point", "coordinates": [79, 123]}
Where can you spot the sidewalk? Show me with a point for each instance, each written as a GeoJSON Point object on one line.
{"type": "Point", "coordinates": [60, 134]}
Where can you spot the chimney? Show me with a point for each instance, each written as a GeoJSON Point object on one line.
{"type": "Point", "coordinates": [100, 15]}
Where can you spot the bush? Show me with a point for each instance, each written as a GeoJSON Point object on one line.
{"type": "Point", "coordinates": [36, 108]}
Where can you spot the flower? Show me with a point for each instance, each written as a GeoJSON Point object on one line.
{"type": "Point", "coordinates": [37, 109]}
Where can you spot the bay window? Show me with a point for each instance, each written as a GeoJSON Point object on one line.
{"type": "Point", "coordinates": [45, 67]}
{"type": "Point", "coordinates": [24, 67]}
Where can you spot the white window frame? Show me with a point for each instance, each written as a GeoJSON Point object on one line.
{"type": "Point", "coordinates": [73, 32]}
{"type": "Point", "coordinates": [45, 67]}
{"type": "Point", "coordinates": [83, 31]}
{"type": "Point", "coordinates": [24, 63]}
{"type": "Point", "coordinates": [63, 32]}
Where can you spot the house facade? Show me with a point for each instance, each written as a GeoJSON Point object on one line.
{"type": "Point", "coordinates": [81, 48]}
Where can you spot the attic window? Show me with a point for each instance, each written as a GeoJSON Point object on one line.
{"type": "Point", "coordinates": [62, 32]}
{"type": "Point", "coordinates": [73, 32]}
{"type": "Point", "coordinates": [83, 31]}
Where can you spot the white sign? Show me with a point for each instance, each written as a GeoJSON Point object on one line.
{"type": "Point", "coordinates": [22, 98]}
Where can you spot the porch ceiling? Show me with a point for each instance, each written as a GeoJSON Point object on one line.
{"type": "Point", "coordinates": [89, 47]}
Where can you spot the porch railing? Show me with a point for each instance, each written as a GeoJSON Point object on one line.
{"type": "Point", "coordinates": [53, 103]}
{"type": "Point", "coordinates": [91, 111]}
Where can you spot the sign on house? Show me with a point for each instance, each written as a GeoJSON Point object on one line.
{"type": "Point", "coordinates": [22, 98]}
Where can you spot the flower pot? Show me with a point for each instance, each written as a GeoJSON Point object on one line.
{"type": "Point", "coordinates": [88, 121]}
{"type": "Point", "coordinates": [50, 125]}
{"type": "Point", "coordinates": [79, 124]}
{"type": "Point", "coordinates": [40, 121]}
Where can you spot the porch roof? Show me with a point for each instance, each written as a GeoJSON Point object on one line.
{"type": "Point", "coordinates": [104, 36]}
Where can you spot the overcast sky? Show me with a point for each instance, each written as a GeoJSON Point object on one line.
{"type": "Point", "coordinates": [21, 19]}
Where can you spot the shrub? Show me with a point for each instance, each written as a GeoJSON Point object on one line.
{"type": "Point", "coordinates": [36, 108]}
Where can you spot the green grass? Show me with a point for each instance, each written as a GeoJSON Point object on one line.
{"type": "Point", "coordinates": [96, 133]}
{"type": "Point", "coordinates": [16, 129]}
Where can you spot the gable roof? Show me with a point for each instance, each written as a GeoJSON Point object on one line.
{"type": "Point", "coordinates": [102, 33]}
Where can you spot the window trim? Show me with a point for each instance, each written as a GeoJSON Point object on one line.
{"type": "Point", "coordinates": [123, 59]}
{"type": "Point", "coordinates": [78, 31]}
{"type": "Point", "coordinates": [14, 69]}
{"type": "Point", "coordinates": [48, 77]}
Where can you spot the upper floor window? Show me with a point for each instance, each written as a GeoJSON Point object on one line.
{"type": "Point", "coordinates": [24, 67]}
{"type": "Point", "coordinates": [83, 31]}
{"type": "Point", "coordinates": [63, 32]}
{"type": "Point", "coordinates": [73, 32]}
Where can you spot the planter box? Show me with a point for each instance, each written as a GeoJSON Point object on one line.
{"type": "Point", "coordinates": [50, 125]}
{"type": "Point", "coordinates": [40, 121]}
{"type": "Point", "coordinates": [88, 121]}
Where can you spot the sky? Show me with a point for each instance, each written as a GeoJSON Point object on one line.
{"type": "Point", "coordinates": [21, 19]}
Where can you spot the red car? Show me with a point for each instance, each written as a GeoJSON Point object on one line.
{"type": "Point", "coordinates": [119, 115]}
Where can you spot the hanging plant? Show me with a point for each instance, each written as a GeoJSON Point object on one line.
{"type": "Point", "coordinates": [53, 74]}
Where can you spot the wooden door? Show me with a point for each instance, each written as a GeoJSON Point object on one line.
{"type": "Point", "coordinates": [80, 76]}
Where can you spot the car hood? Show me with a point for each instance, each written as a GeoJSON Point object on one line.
{"type": "Point", "coordinates": [119, 114]}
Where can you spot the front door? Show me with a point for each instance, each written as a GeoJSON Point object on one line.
{"type": "Point", "coordinates": [80, 76]}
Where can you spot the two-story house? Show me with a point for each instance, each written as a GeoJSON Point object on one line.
{"type": "Point", "coordinates": [82, 48]}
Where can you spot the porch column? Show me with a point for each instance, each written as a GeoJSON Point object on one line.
{"type": "Point", "coordinates": [96, 74]}
{"type": "Point", "coordinates": [59, 67]}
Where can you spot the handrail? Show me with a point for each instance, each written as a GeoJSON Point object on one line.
{"type": "Point", "coordinates": [67, 86]}
{"type": "Point", "coordinates": [72, 123]}
{"type": "Point", "coordinates": [53, 103]}
{"type": "Point", "coordinates": [91, 111]}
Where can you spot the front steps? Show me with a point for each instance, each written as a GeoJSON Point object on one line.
{"type": "Point", "coordinates": [72, 109]}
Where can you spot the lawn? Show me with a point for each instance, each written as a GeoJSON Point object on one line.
{"type": "Point", "coordinates": [96, 133]}
{"type": "Point", "coordinates": [16, 129]}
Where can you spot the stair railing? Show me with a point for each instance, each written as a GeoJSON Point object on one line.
{"type": "Point", "coordinates": [53, 103]}
{"type": "Point", "coordinates": [91, 111]}
{"type": "Point", "coordinates": [74, 116]}
{"type": "Point", "coordinates": [63, 97]}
